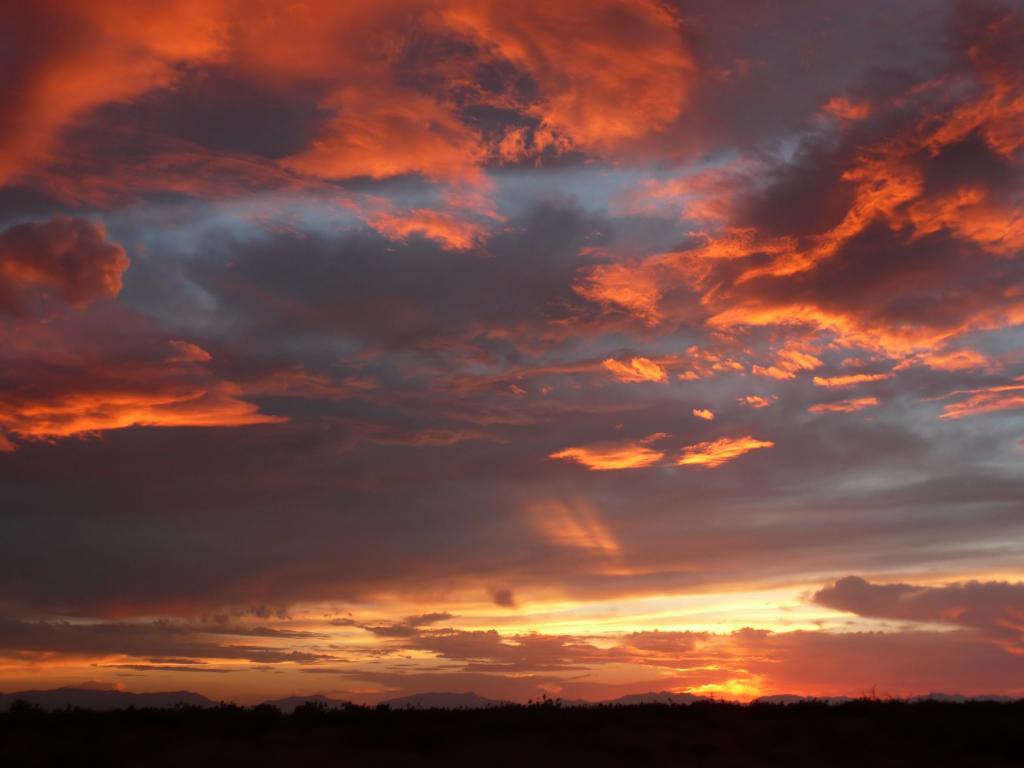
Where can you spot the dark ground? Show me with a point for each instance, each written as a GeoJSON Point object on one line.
{"type": "Point", "coordinates": [860, 733]}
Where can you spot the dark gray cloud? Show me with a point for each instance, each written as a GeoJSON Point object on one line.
{"type": "Point", "coordinates": [995, 608]}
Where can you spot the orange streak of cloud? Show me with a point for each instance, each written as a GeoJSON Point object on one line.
{"type": "Point", "coordinates": [718, 452]}
{"type": "Point", "coordinates": [611, 456]}
{"type": "Point", "coordinates": [849, 380]}
{"type": "Point", "coordinates": [636, 370]}
{"type": "Point", "coordinates": [1002, 398]}
{"type": "Point", "coordinates": [844, 406]}
{"type": "Point", "coordinates": [451, 232]}
{"type": "Point", "coordinates": [216, 405]}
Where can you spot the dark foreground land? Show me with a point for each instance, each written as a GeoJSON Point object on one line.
{"type": "Point", "coordinates": [860, 733]}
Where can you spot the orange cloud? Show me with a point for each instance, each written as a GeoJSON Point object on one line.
{"type": "Point", "coordinates": [576, 525]}
{"type": "Point", "coordinates": [718, 452]}
{"type": "Point", "coordinates": [756, 401]}
{"type": "Point", "coordinates": [617, 455]}
{"type": "Point", "coordinates": [99, 51]}
{"type": "Point", "coordinates": [849, 380]}
{"type": "Point", "coordinates": [452, 232]}
{"type": "Point", "coordinates": [376, 122]}
{"type": "Point", "coordinates": [979, 401]}
{"type": "Point", "coordinates": [66, 396]}
{"type": "Point", "coordinates": [704, 413]}
{"type": "Point", "coordinates": [707, 195]}
{"type": "Point", "coordinates": [632, 288]}
{"type": "Point", "coordinates": [390, 106]}
{"type": "Point", "coordinates": [954, 360]}
{"type": "Point", "coordinates": [788, 362]}
{"type": "Point", "coordinates": [969, 215]}
{"type": "Point", "coordinates": [705, 363]}
{"type": "Point", "coordinates": [844, 406]}
{"type": "Point", "coordinates": [129, 405]}
{"type": "Point", "coordinates": [637, 369]}
{"type": "Point", "coordinates": [618, 52]}
{"type": "Point", "coordinates": [389, 132]}
{"type": "Point", "coordinates": [740, 272]}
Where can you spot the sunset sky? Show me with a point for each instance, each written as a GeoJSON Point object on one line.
{"type": "Point", "coordinates": [568, 347]}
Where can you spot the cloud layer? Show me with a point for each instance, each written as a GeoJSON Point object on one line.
{"type": "Point", "coordinates": [569, 347]}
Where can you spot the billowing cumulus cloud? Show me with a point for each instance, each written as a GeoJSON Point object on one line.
{"type": "Point", "coordinates": [71, 259]}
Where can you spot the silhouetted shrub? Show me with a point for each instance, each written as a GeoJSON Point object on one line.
{"type": "Point", "coordinates": [707, 734]}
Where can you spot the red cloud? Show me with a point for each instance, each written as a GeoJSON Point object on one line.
{"type": "Point", "coordinates": [616, 53]}
{"type": "Point", "coordinates": [69, 258]}
{"type": "Point", "coordinates": [70, 57]}
{"type": "Point", "coordinates": [390, 107]}
{"type": "Point", "coordinates": [186, 352]}
{"type": "Point", "coordinates": [452, 232]}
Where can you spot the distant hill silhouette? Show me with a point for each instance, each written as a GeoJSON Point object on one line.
{"type": "Point", "coordinates": [953, 698]}
{"type": "Point", "coordinates": [288, 705]}
{"type": "Point", "coordinates": [471, 700]}
{"type": "Point", "coordinates": [660, 697]}
{"type": "Point", "coordinates": [957, 698]}
{"type": "Point", "coordinates": [90, 698]}
{"type": "Point", "coordinates": [468, 700]}
{"type": "Point", "coordinates": [791, 698]}
{"type": "Point", "coordinates": [102, 700]}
